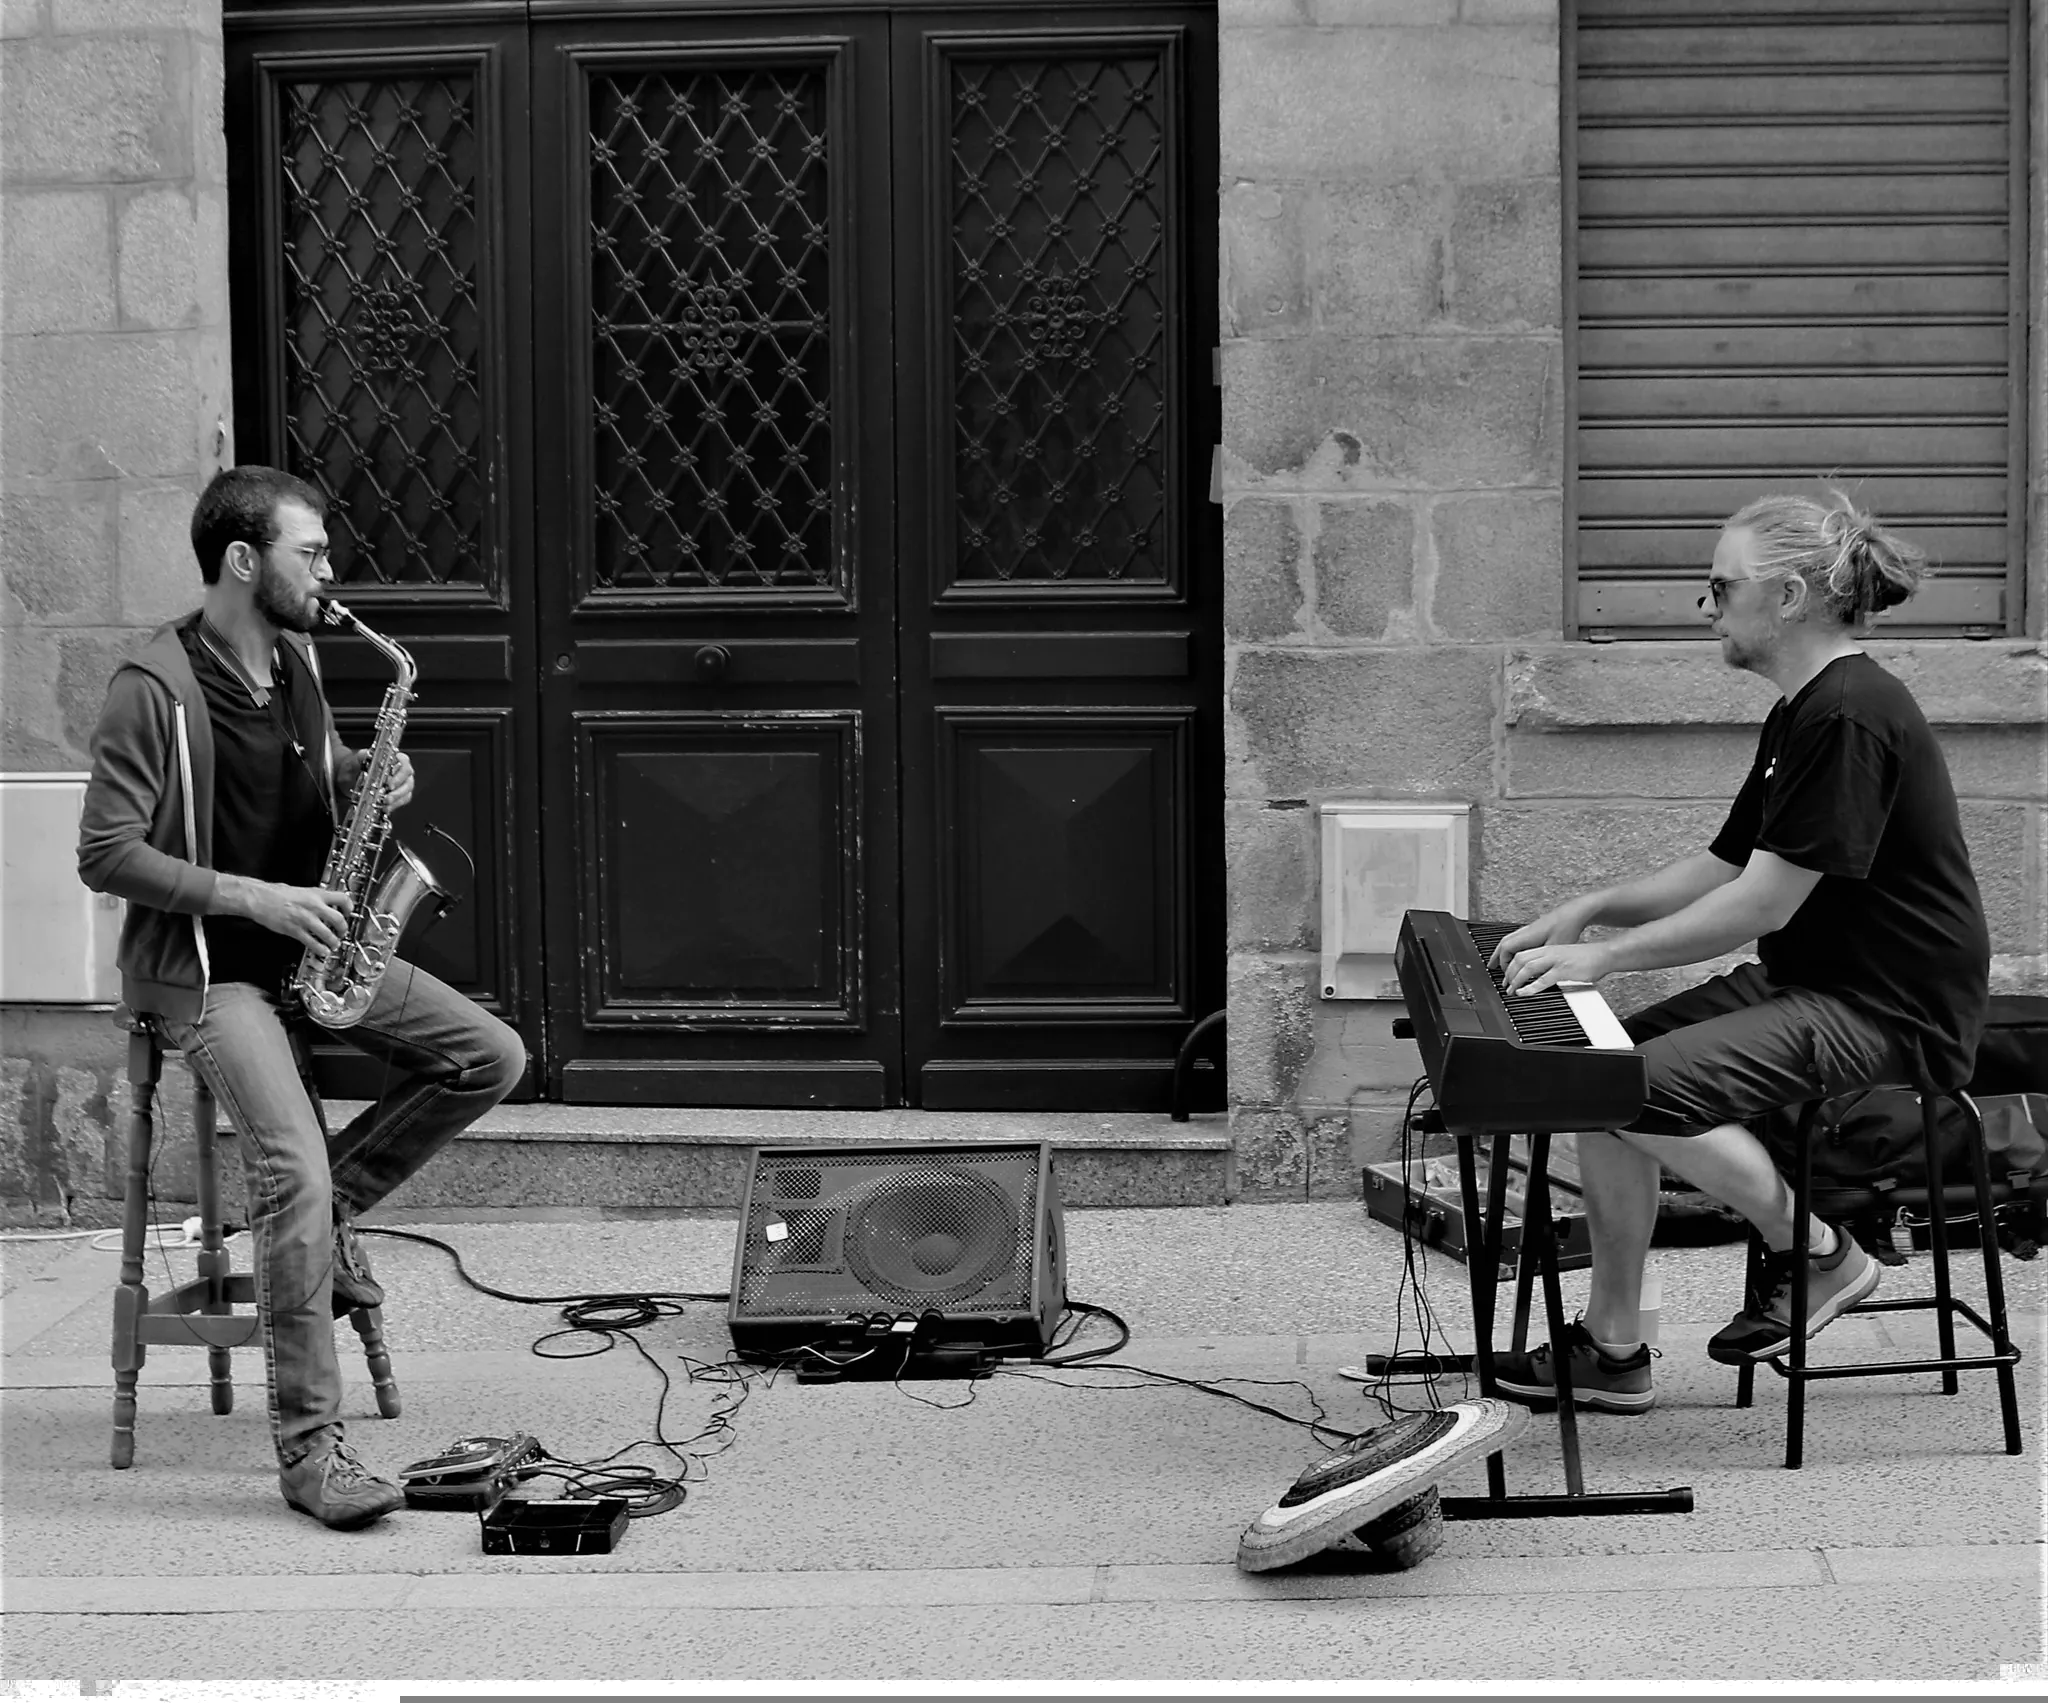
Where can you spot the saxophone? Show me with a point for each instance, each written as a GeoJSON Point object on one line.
{"type": "Point", "coordinates": [334, 987]}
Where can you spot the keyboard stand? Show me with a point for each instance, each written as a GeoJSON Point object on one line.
{"type": "Point", "coordinates": [1538, 1259]}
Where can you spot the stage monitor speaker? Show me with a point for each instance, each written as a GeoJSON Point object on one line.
{"type": "Point", "coordinates": [839, 1247]}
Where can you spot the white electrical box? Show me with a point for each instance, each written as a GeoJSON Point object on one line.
{"type": "Point", "coordinates": [1381, 859]}
{"type": "Point", "coordinates": [57, 939]}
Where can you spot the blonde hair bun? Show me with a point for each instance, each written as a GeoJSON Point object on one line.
{"type": "Point", "coordinates": [1853, 564]}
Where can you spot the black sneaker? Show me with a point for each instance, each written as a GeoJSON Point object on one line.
{"type": "Point", "coordinates": [353, 1285]}
{"type": "Point", "coordinates": [332, 1485]}
{"type": "Point", "coordinates": [1834, 1284]}
{"type": "Point", "coordinates": [1598, 1379]}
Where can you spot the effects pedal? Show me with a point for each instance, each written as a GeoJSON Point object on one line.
{"type": "Point", "coordinates": [472, 1474]}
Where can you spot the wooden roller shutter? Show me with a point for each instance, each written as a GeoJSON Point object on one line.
{"type": "Point", "coordinates": [1799, 242]}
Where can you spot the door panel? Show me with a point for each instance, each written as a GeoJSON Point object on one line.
{"type": "Point", "coordinates": [377, 190]}
{"type": "Point", "coordinates": [381, 303]}
{"type": "Point", "coordinates": [1065, 888]}
{"type": "Point", "coordinates": [1058, 266]}
{"type": "Point", "coordinates": [1061, 638]}
{"type": "Point", "coordinates": [722, 639]}
{"type": "Point", "coordinates": [711, 463]}
{"type": "Point", "coordinates": [728, 870]}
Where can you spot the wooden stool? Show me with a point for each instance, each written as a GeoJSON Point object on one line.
{"type": "Point", "coordinates": [1942, 1303]}
{"type": "Point", "coordinates": [200, 1313]}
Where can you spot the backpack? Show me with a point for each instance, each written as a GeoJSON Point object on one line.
{"type": "Point", "coordinates": [1870, 1141]}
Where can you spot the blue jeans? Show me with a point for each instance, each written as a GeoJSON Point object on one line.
{"type": "Point", "coordinates": [448, 1061]}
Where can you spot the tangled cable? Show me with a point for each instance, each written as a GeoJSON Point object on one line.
{"type": "Point", "coordinates": [607, 1317]}
{"type": "Point", "coordinates": [595, 1323]}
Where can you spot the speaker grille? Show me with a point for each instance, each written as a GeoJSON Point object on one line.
{"type": "Point", "coordinates": [797, 1182]}
{"type": "Point", "coordinates": [804, 1239]}
{"type": "Point", "coordinates": [898, 1232]}
{"type": "Point", "coordinates": [935, 1234]}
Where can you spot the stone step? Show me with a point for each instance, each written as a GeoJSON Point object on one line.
{"type": "Point", "coordinates": [663, 1156]}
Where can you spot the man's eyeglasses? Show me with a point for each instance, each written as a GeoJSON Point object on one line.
{"type": "Point", "coordinates": [1717, 588]}
{"type": "Point", "coordinates": [315, 559]}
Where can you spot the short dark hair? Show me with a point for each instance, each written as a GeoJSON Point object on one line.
{"type": "Point", "coordinates": [239, 506]}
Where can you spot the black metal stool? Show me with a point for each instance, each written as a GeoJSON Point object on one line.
{"type": "Point", "coordinates": [1942, 1303]}
{"type": "Point", "coordinates": [200, 1313]}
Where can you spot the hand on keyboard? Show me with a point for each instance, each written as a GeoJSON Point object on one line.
{"type": "Point", "coordinates": [1547, 966]}
{"type": "Point", "coordinates": [1559, 927]}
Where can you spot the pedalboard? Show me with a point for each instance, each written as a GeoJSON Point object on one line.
{"type": "Point", "coordinates": [472, 1474]}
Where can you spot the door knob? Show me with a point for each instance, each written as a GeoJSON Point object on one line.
{"type": "Point", "coordinates": [712, 662]}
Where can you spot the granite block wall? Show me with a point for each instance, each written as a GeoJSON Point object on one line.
{"type": "Point", "coordinates": [113, 341]}
{"type": "Point", "coordinates": [64, 1106]}
{"type": "Point", "coordinates": [114, 411]}
{"type": "Point", "coordinates": [1392, 479]}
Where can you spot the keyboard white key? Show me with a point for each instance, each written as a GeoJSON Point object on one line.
{"type": "Point", "coordinates": [1595, 1016]}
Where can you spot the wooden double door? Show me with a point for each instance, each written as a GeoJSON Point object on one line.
{"type": "Point", "coordinates": [783, 440]}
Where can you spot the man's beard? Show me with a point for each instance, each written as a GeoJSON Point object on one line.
{"type": "Point", "coordinates": [1751, 657]}
{"type": "Point", "coordinates": [277, 603]}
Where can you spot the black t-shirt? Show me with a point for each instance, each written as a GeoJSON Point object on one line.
{"type": "Point", "coordinates": [270, 817]}
{"type": "Point", "coordinates": [1849, 781]}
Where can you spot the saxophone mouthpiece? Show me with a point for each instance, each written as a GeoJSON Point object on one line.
{"type": "Point", "coordinates": [334, 613]}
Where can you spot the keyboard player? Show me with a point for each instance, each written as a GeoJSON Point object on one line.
{"type": "Point", "coordinates": [1842, 857]}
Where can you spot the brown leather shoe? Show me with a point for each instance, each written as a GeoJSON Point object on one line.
{"type": "Point", "coordinates": [353, 1285]}
{"type": "Point", "coordinates": [332, 1485]}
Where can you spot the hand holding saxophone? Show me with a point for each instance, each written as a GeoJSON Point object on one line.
{"type": "Point", "coordinates": [313, 916]}
{"type": "Point", "coordinates": [398, 788]}
{"type": "Point", "coordinates": [399, 793]}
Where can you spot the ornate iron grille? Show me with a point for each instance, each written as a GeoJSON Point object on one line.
{"type": "Point", "coordinates": [382, 344]}
{"type": "Point", "coordinates": [710, 295]}
{"type": "Point", "coordinates": [1058, 205]}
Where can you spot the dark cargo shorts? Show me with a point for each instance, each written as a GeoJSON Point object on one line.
{"type": "Point", "coordinates": [1739, 1047]}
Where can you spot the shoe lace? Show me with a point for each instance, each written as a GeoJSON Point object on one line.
{"type": "Point", "coordinates": [1575, 1336]}
{"type": "Point", "coordinates": [1775, 1284]}
{"type": "Point", "coordinates": [345, 1466]}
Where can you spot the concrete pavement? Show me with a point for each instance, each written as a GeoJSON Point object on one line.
{"type": "Point", "coordinates": [1074, 1527]}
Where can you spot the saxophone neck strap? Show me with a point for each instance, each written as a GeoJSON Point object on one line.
{"type": "Point", "coordinates": [224, 653]}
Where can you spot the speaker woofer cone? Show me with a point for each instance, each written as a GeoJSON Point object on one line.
{"type": "Point", "coordinates": [931, 1237]}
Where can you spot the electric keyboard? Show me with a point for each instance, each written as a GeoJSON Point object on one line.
{"type": "Point", "coordinates": [1520, 1064]}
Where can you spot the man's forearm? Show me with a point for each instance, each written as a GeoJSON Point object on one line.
{"type": "Point", "coordinates": [1725, 917]}
{"type": "Point", "coordinates": [236, 896]}
{"type": "Point", "coordinates": [1665, 893]}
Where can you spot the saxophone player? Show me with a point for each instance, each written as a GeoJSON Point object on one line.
{"type": "Point", "coordinates": [217, 780]}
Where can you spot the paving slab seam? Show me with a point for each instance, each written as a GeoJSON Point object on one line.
{"type": "Point", "coordinates": [554, 1590]}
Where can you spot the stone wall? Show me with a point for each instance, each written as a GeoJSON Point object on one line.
{"type": "Point", "coordinates": [1393, 467]}
{"type": "Point", "coordinates": [113, 413]}
{"type": "Point", "coordinates": [113, 338]}
{"type": "Point", "coordinates": [63, 1123]}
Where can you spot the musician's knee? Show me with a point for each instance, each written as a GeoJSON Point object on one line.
{"type": "Point", "coordinates": [500, 1058]}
